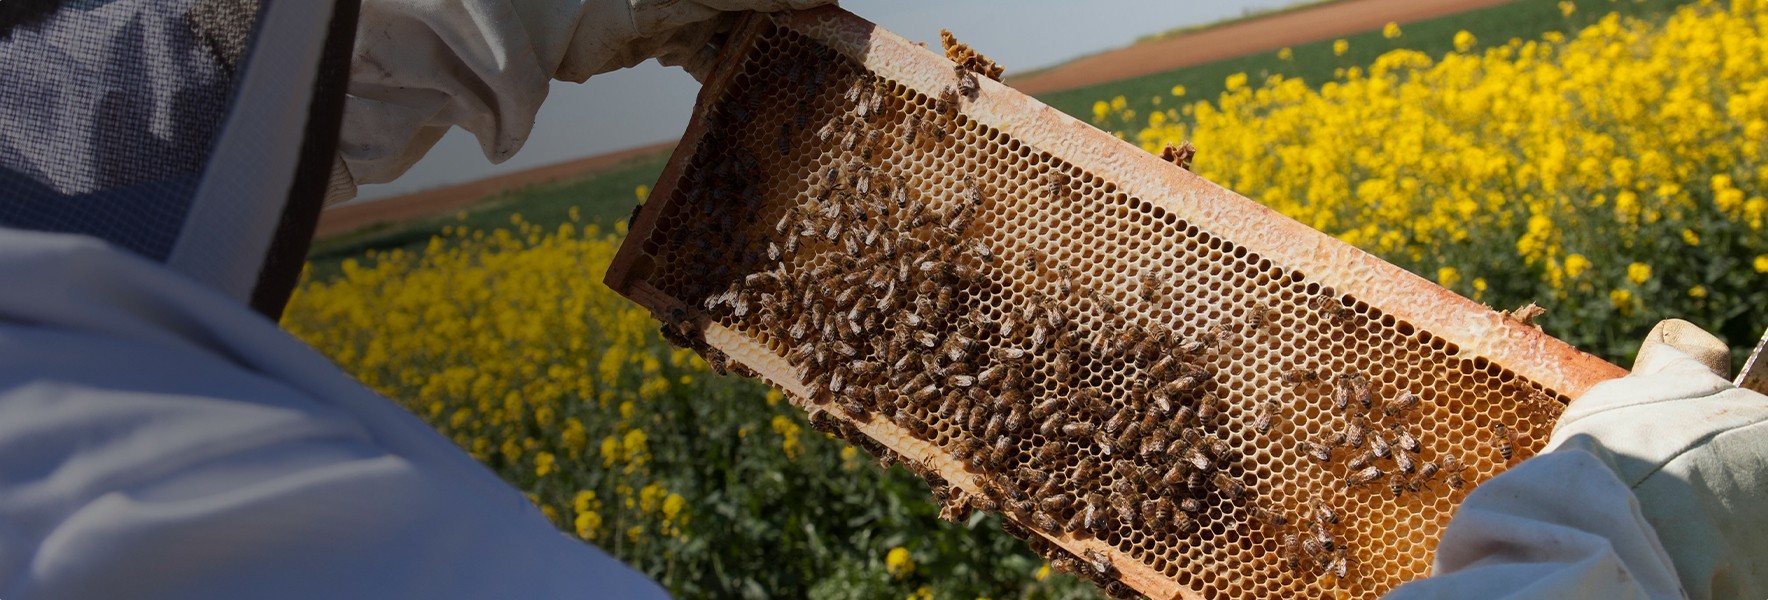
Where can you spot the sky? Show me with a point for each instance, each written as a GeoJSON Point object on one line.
{"type": "Point", "coordinates": [651, 103]}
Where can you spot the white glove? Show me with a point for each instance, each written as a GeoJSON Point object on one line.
{"type": "Point", "coordinates": [1654, 485]}
{"type": "Point", "coordinates": [423, 66]}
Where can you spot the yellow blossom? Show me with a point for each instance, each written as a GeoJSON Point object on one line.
{"type": "Point", "coordinates": [1235, 82]}
{"type": "Point", "coordinates": [584, 501]}
{"type": "Point", "coordinates": [788, 431]}
{"type": "Point", "coordinates": [672, 507]}
{"type": "Point", "coordinates": [1761, 263]}
{"type": "Point", "coordinates": [1042, 573]}
{"type": "Point", "coordinates": [1284, 53]}
{"type": "Point", "coordinates": [650, 499]}
{"type": "Point", "coordinates": [1622, 300]}
{"type": "Point", "coordinates": [1178, 90]}
{"type": "Point", "coordinates": [1699, 291]}
{"type": "Point", "coordinates": [898, 562]}
{"type": "Point", "coordinates": [643, 192]}
{"type": "Point", "coordinates": [543, 464]}
{"type": "Point", "coordinates": [1567, 8]}
{"type": "Point", "coordinates": [588, 525]}
{"type": "Point", "coordinates": [574, 437]}
{"type": "Point", "coordinates": [1391, 30]}
{"type": "Point", "coordinates": [1339, 47]}
{"type": "Point", "coordinates": [610, 451]}
{"type": "Point", "coordinates": [1576, 265]}
{"type": "Point", "coordinates": [1638, 273]}
{"type": "Point", "coordinates": [1464, 41]}
{"type": "Point", "coordinates": [1448, 276]}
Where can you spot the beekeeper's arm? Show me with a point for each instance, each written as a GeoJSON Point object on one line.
{"type": "Point", "coordinates": [1654, 485]}
{"type": "Point", "coordinates": [158, 438]}
{"type": "Point", "coordinates": [423, 66]}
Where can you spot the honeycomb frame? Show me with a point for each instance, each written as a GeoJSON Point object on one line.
{"type": "Point", "coordinates": [1284, 284]}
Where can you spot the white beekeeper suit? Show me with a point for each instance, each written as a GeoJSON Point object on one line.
{"type": "Point", "coordinates": [159, 439]}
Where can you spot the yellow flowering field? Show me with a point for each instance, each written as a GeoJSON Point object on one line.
{"type": "Point", "coordinates": [1612, 175]}
{"type": "Point", "coordinates": [510, 345]}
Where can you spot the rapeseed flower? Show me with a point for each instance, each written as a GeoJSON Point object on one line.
{"type": "Point", "coordinates": [899, 563]}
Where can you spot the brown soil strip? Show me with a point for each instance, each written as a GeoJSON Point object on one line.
{"type": "Point", "coordinates": [352, 217]}
{"type": "Point", "coordinates": [1239, 39]}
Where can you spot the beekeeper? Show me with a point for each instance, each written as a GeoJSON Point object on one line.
{"type": "Point", "coordinates": [162, 166]}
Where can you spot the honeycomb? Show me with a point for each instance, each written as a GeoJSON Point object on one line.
{"type": "Point", "coordinates": [1162, 387]}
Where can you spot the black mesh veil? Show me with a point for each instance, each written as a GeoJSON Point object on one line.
{"type": "Point", "coordinates": [198, 133]}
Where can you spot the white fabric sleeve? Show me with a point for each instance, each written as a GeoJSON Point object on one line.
{"type": "Point", "coordinates": [158, 440]}
{"type": "Point", "coordinates": [1652, 486]}
{"type": "Point", "coordinates": [422, 66]}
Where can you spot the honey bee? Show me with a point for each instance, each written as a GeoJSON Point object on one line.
{"type": "Point", "coordinates": [1264, 514]}
{"type": "Point", "coordinates": [1403, 461]}
{"type": "Point", "coordinates": [1050, 452]}
{"type": "Point", "coordinates": [1045, 522]}
{"type": "Point", "coordinates": [1335, 310]}
{"type": "Point", "coordinates": [1197, 482]}
{"type": "Point", "coordinates": [1356, 463]}
{"type": "Point", "coordinates": [1052, 424]}
{"type": "Point", "coordinates": [1079, 429]}
{"type": "Point", "coordinates": [1096, 517]}
{"type": "Point", "coordinates": [1185, 524]}
{"type": "Point", "coordinates": [1176, 475]}
{"type": "Point", "coordinates": [1152, 282]}
{"type": "Point", "coordinates": [1231, 488]}
{"type": "Point", "coordinates": [1378, 445]}
{"type": "Point", "coordinates": [1100, 563]}
{"type": "Point", "coordinates": [967, 84]}
{"type": "Point", "coordinates": [1153, 445]}
{"type": "Point", "coordinates": [964, 448]}
{"type": "Point", "coordinates": [1123, 417]}
{"type": "Point", "coordinates": [1208, 408]}
{"type": "Point", "coordinates": [1292, 550]}
{"type": "Point", "coordinates": [1266, 416]}
{"type": "Point", "coordinates": [1320, 452]}
{"type": "Point", "coordinates": [1056, 502]}
{"type": "Point", "coordinates": [1404, 439]}
{"type": "Point", "coordinates": [1263, 317]}
{"type": "Point", "coordinates": [1064, 280]}
{"type": "Point", "coordinates": [1452, 468]}
{"type": "Point", "coordinates": [1355, 431]}
{"type": "Point", "coordinates": [1363, 477]}
{"type": "Point", "coordinates": [1400, 404]}
{"type": "Point", "coordinates": [1504, 439]}
{"type": "Point", "coordinates": [1339, 565]}
{"type": "Point", "coordinates": [1325, 513]}
{"type": "Point", "coordinates": [1314, 547]}
{"type": "Point", "coordinates": [1300, 376]}
{"type": "Point", "coordinates": [1055, 183]}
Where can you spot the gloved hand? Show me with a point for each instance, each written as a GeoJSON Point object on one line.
{"type": "Point", "coordinates": [1652, 486]}
{"type": "Point", "coordinates": [423, 66]}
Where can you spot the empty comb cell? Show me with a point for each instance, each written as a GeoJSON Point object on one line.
{"type": "Point", "coordinates": [1163, 387]}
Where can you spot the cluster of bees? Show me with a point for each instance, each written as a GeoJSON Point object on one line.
{"type": "Point", "coordinates": [871, 287]}
{"type": "Point", "coordinates": [877, 295]}
{"type": "Point", "coordinates": [1375, 446]}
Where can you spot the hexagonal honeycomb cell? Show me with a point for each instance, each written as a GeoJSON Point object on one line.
{"type": "Point", "coordinates": [1164, 387]}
